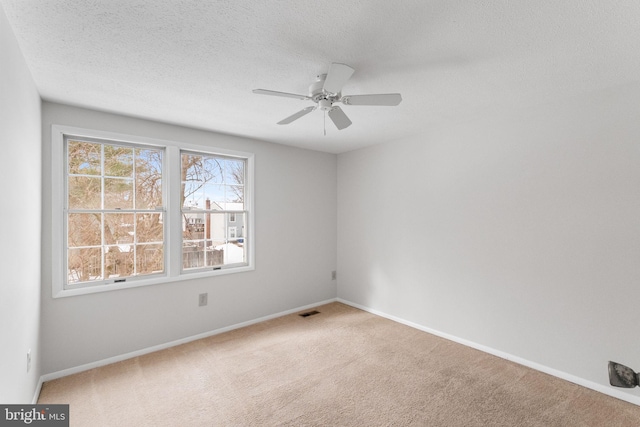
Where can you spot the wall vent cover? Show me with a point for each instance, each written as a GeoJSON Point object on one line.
{"type": "Point", "coordinates": [309, 313]}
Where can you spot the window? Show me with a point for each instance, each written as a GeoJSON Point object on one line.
{"type": "Point", "coordinates": [137, 211]}
{"type": "Point", "coordinates": [212, 192]}
{"type": "Point", "coordinates": [114, 216]}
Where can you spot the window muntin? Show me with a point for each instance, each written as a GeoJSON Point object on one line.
{"type": "Point", "coordinates": [213, 193]}
{"type": "Point", "coordinates": [114, 211]}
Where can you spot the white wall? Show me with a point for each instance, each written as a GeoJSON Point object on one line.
{"type": "Point", "coordinates": [295, 254]}
{"type": "Point", "coordinates": [19, 223]}
{"type": "Point", "coordinates": [518, 233]}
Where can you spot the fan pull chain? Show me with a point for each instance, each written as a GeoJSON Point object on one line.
{"type": "Point", "coordinates": [325, 123]}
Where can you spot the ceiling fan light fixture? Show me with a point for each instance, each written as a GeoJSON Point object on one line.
{"type": "Point", "coordinates": [325, 104]}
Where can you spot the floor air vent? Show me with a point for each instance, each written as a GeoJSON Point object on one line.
{"type": "Point", "coordinates": [309, 313]}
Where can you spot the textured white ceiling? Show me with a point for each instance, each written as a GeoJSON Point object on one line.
{"type": "Point", "coordinates": [195, 63]}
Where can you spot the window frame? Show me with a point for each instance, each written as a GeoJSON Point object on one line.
{"type": "Point", "coordinates": [173, 222]}
{"type": "Point", "coordinates": [205, 211]}
{"type": "Point", "coordinates": [104, 210]}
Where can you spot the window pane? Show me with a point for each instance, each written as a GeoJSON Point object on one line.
{"type": "Point", "coordinates": [192, 255]}
{"type": "Point", "coordinates": [84, 192]}
{"type": "Point", "coordinates": [84, 230]}
{"type": "Point", "coordinates": [118, 161]}
{"type": "Point", "coordinates": [118, 193]}
{"type": "Point", "coordinates": [84, 158]}
{"type": "Point", "coordinates": [193, 226]}
{"type": "Point", "coordinates": [234, 171]}
{"type": "Point", "coordinates": [148, 178]}
{"type": "Point", "coordinates": [193, 195]}
{"type": "Point", "coordinates": [149, 194]}
{"type": "Point", "coordinates": [149, 259]}
{"type": "Point", "coordinates": [191, 167]}
{"type": "Point", "coordinates": [118, 261]}
{"type": "Point", "coordinates": [215, 194]}
{"type": "Point", "coordinates": [233, 252]}
{"type": "Point", "coordinates": [214, 169]}
{"type": "Point", "coordinates": [84, 265]}
{"type": "Point", "coordinates": [149, 228]}
{"type": "Point", "coordinates": [118, 229]}
{"type": "Point", "coordinates": [215, 256]}
{"type": "Point", "coordinates": [218, 224]}
{"type": "Point", "coordinates": [234, 194]}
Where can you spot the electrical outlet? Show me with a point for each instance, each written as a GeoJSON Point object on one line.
{"type": "Point", "coordinates": [202, 299]}
{"type": "Point", "coordinates": [334, 274]}
{"type": "Point", "coordinates": [29, 360]}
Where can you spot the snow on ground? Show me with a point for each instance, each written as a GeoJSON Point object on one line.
{"type": "Point", "coordinates": [232, 253]}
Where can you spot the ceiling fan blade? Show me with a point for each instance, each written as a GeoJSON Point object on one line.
{"type": "Point", "coordinates": [336, 77]}
{"type": "Point", "coordinates": [284, 94]}
{"type": "Point", "coordinates": [339, 118]}
{"type": "Point", "coordinates": [389, 99]}
{"type": "Point", "coordinates": [296, 116]}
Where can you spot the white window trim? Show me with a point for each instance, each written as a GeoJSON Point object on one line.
{"type": "Point", "coordinates": [171, 187]}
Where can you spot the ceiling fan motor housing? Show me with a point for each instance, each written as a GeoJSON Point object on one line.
{"type": "Point", "coordinates": [324, 99]}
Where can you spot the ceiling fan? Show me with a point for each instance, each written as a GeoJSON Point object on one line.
{"type": "Point", "coordinates": [327, 90]}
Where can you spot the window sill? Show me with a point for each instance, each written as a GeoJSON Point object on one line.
{"type": "Point", "coordinates": [139, 282]}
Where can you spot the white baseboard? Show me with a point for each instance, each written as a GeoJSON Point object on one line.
{"type": "Point", "coordinates": [114, 359]}
{"type": "Point", "coordinates": [519, 360]}
{"type": "Point", "coordinates": [36, 395]}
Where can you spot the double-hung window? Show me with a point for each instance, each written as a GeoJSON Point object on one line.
{"type": "Point", "coordinates": [115, 208]}
{"type": "Point", "coordinates": [213, 192]}
{"type": "Point", "coordinates": [131, 211]}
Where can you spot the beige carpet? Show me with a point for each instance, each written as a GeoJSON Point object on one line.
{"type": "Point", "coordinates": [342, 367]}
